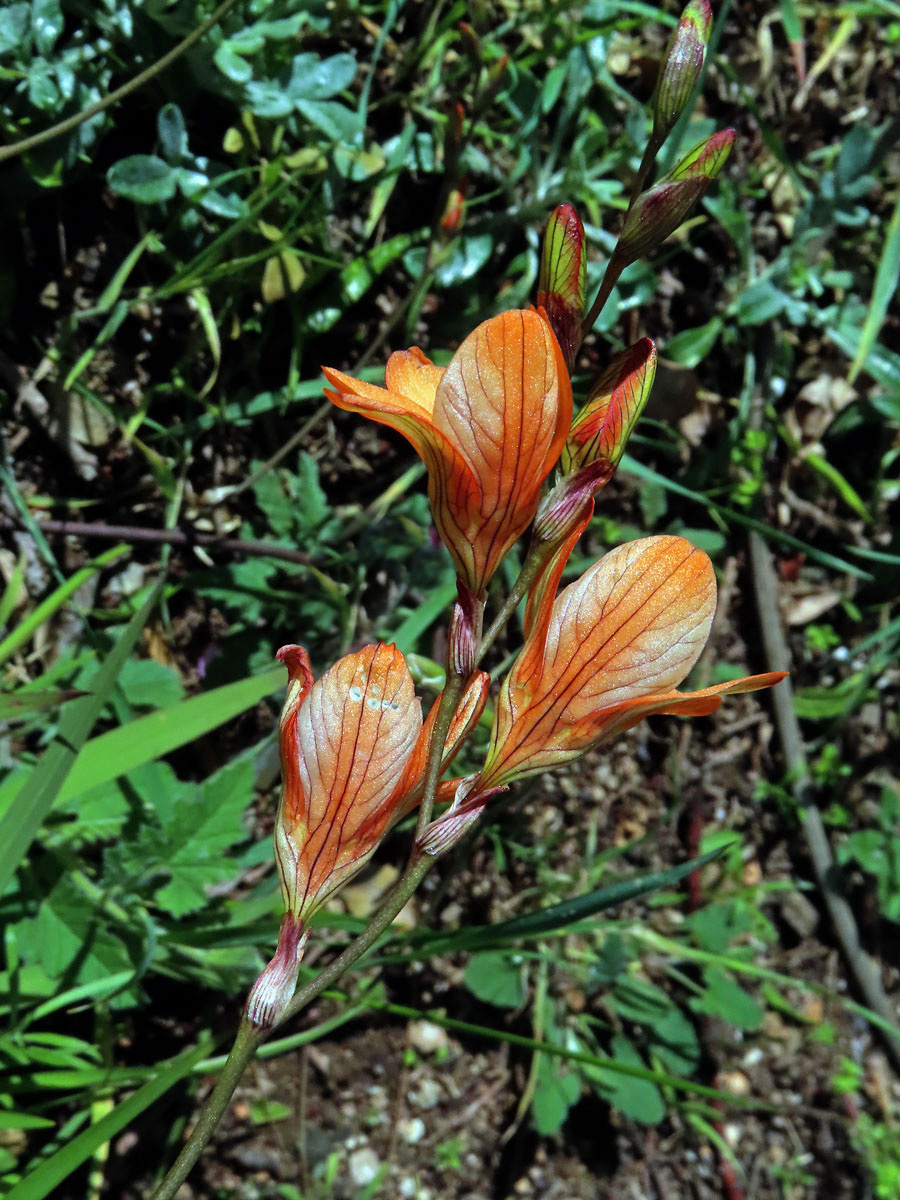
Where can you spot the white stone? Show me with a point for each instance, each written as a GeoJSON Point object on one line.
{"type": "Point", "coordinates": [363, 1166]}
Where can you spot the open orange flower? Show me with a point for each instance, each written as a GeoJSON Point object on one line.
{"type": "Point", "coordinates": [608, 652]}
{"type": "Point", "coordinates": [489, 429]}
{"type": "Point", "coordinates": [353, 748]}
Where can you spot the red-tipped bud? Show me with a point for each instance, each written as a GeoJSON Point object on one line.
{"type": "Point", "coordinates": [448, 829]}
{"type": "Point", "coordinates": [659, 211]}
{"type": "Point", "coordinates": [454, 208]}
{"type": "Point", "coordinates": [602, 428]}
{"type": "Point", "coordinates": [706, 159]}
{"type": "Point", "coordinates": [562, 279]}
{"type": "Point", "coordinates": [274, 990]}
{"type": "Point", "coordinates": [471, 42]}
{"type": "Point", "coordinates": [496, 74]}
{"type": "Point", "coordinates": [681, 67]}
{"type": "Point", "coordinates": [465, 631]}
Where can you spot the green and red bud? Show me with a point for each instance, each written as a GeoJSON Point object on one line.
{"type": "Point", "coordinates": [602, 428]}
{"type": "Point", "coordinates": [561, 282]}
{"type": "Point", "coordinates": [660, 210]}
{"type": "Point", "coordinates": [681, 67]}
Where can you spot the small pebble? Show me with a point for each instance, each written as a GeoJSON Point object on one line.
{"type": "Point", "coordinates": [427, 1094]}
{"type": "Point", "coordinates": [363, 1166]}
{"type": "Point", "coordinates": [411, 1131]}
{"type": "Point", "coordinates": [427, 1037]}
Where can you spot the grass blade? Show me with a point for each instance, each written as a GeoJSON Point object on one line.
{"type": "Point", "coordinates": [73, 1154]}
{"type": "Point", "coordinates": [24, 631]}
{"type": "Point", "coordinates": [633, 467]}
{"type": "Point", "coordinates": [882, 293]}
{"type": "Point", "coordinates": [43, 785]}
{"type": "Point", "coordinates": [118, 751]}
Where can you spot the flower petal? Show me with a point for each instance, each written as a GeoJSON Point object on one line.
{"type": "Point", "coordinates": [355, 733]}
{"type": "Point", "coordinates": [633, 625]}
{"type": "Point", "coordinates": [410, 374]}
{"type": "Point", "coordinates": [506, 402]}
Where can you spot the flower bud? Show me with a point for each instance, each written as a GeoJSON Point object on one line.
{"type": "Point", "coordinates": [681, 67]}
{"type": "Point", "coordinates": [659, 211]}
{"type": "Point", "coordinates": [602, 428]}
{"type": "Point", "coordinates": [562, 279]}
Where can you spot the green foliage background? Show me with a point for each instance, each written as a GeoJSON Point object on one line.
{"type": "Point", "coordinates": [175, 270]}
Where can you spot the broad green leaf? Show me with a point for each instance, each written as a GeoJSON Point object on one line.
{"type": "Point", "coordinates": [496, 979]}
{"type": "Point", "coordinates": [143, 178]}
{"type": "Point", "coordinates": [556, 1090]}
{"type": "Point", "coordinates": [674, 1041]}
{"type": "Point", "coordinates": [115, 753]}
{"type": "Point", "coordinates": [722, 997]}
{"type": "Point", "coordinates": [639, 1099]}
{"type": "Point", "coordinates": [691, 346]}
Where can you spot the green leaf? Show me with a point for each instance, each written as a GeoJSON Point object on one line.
{"type": "Point", "coordinates": [47, 22]}
{"type": "Point", "coordinates": [199, 833]}
{"type": "Point", "coordinates": [149, 684]}
{"type": "Point", "coordinates": [59, 1166]}
{"type": "Point", "coordinates": [231, 64]}
{"type": "Point", "coordinates": [46, 783]}
{"type": "Point", "coordinates": [71, 937]}
{"type": "Point", "coordinates": [674, 1041]}
{"type": "Point", "coordinates": [883, 292]}
{"type": "Point", "coordinates": [556, 1090]}
{"type": "Point", "coordinates": [637, 1000]}
{"type": "Point", "coordinates": [13, 26]}
{"type": "Point", "coordinates": [120, 750]}
{"type": "Point", "coordinates": [639, 1099]}
{"type": "Point", "coordinates": [722, 997]}
{"type": "Point", "coordinates": [143, 178]}
{"type": "Point", "coordinates": [691, 346]}
{"type": "Point", "coordinates": [496, 979]}
{"type": "Point", "coordinates": [172, 133]}
{"type": "Point", "coordinates": [313, 78]}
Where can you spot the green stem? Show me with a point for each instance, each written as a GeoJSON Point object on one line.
{"type": "Point", "coordinates": [531, 567]}
{"type": "Point", "coordinates": [245, 1044]}
{"type": "Point", "coordinates": [450, 697]}
{"type": "Point", "coordinates": [46, 135]}
{"type": "Point", "coordinates": [614, 269]}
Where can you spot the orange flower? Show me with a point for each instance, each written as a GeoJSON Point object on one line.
{"type": "Point", "coordinates": [606, 653]}
{"type": "Point", "coordinates": [489, 429]}
{"type": "Point", "coordinates": [353, 748]}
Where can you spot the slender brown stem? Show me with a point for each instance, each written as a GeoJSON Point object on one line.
{"type": "Point", "coordinates": [46, 135]}
{"type": "Point", "coordinates": [167, 537]}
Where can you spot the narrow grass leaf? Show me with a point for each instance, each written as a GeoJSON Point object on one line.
{"type": "Point", "coordinates": [44, 784]}
{"type": "Point", "coordinates": [70, 1157]}
{"type": "Point", "coordinates": [729, 514]}
{"type": "Point", "coordinates": [882, 293]}
{"type": "Point", "coordinates": [26, 629]}
{"type": "Point", "coordinates": [568, 912]}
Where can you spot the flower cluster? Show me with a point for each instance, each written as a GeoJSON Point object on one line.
{"type": "Point", "coordinates": [598, 656]}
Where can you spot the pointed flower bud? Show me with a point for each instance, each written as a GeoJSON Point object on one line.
{"type": "Point", "coordinates": [489, 428]}
{"type": "Point", "coordinates": [659, 211]}
{"type": "Point", "coordinates": [609, 651]}
{"type": "Point", "coordinates": [681, 67]}
{"type": "Point", "coordinates": [603, 426]}
{"type": "Point", "coordinates": [353, 751]}
{"type": "Point", "coordinates": [561, 281]}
